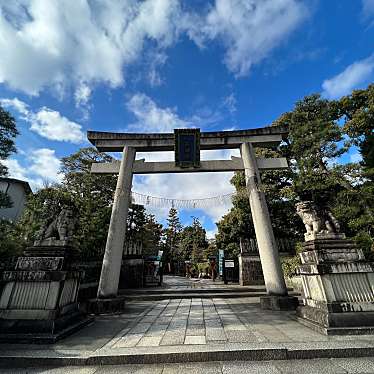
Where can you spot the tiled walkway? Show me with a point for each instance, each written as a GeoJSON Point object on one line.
{"type": "Point", "coordinates": [204, 321]}
{"type": "Point", "coordinates": [193, 329]}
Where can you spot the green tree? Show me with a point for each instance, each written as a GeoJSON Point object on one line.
{"type": "Point", "coordinates": [238, 222]}
{"type": "Point", "coordinates": [8, 133]}
{"type": "Point", "coordinates": [92, 195]}
{"type": "Point", "coordinates": [312, 145]}
{"type": "Point", "coordinates": [193, 242]}
{"type": "Point", "coordinates": [136, 220]}
{"type": "Point", "coordinates": [357, 111]}
{"type": "Point", "coordinates": [41, 207]}
{"type": "Point", "coordinates": [211, 250]}
{"type": "Point", "coordinates": [171, 236]}
{"type": "Point", "coordinates": [152, 234]}
{"type": "Point", "coordinates": [354, 206]}
{"type": "Point", "coordinates": [11, 241]}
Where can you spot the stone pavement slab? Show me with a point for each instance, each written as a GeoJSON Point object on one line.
{"type": "Point", "coordinates": [182, 330]}
{"type": "Point", "coordinates": [356, 365]}
{"type": "Point", "coordinates": [244, 367]}
{"type": "Point", "coordinates": [309, 366]}
{"type": "Point", "coordinates": [320, 366]}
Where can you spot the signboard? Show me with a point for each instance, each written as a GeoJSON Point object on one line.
{"type": "Point", "coordinates": [187, 148]}
{"type": "Point", "coordinates": [221, 254]}
{"type": "Point", "coordinates": [229, 264]}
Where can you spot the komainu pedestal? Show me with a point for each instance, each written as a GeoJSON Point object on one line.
{"type": "Point", "coordinates": [38, 300]}
{"type": "Point", "coordinates": [338, 286]}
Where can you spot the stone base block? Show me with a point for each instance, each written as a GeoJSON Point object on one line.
{"type": "Point", "coordinates": [346, 323]}
{"type": "Point", "coordinates": [279, 302]}
{"type": "Point", "coordinates": [106, 306]}
{"type": "Point", "coordinates": [41, 331]}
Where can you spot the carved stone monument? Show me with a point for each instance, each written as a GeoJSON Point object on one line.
{"type": "Point", "coordinates": [38, 302]}
{"type": "Point", "coordinates": [337, 280]}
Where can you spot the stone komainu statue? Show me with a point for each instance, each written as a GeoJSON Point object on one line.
{"type": "Point", "coordinates": [61, 227]}
{"type": "Point", "coordinates": [317, 220]}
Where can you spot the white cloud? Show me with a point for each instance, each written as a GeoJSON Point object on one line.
{"type": "Point", "coordinates": [82, 94]}
{"type": "Point", "coordinates": [39, 166]}
{"type": "Point", "coordinates": [16, 104]}
{"type": "Point", "coordinates": [45, 164]}
{"type": "Point", "coordinates": [46, 122]}
{"type": "Point", "coordinates": [211, 234]}
{"type": "Point", "coordinates": [368, 8]}
{"type": "Point", "coordinates": [151, 118]}
{"type": "Point", "coordinates": [249, 30]}
{"type": "Point", "coordinates": [63, 42]}
{"type": "Point", "coordinates": [187, 186]}
{"type": "Point", "coordinates": [354, 76]}
{"type": "Point", "coordinates": [51, 125]}
{"type": "Point", "coordinates": [15, 169]}
{"type": "Point", "coordinates": [230, 103]}
{"type": "Point", "coordinates": [157, 59]}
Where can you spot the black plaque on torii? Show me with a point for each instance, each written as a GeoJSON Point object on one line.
{"type": "Point", "coordinates": [187, 148]}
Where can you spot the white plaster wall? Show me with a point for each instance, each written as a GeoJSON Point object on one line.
{"type": "Point", "coordinates": [17, 195]}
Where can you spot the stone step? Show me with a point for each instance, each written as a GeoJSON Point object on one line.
{"type": "Point", "coordinates": [186, 353]}
{"type": "Point", "coordinates": [191, 295]}
{"type": "Point", "coordinates": [171, 291]}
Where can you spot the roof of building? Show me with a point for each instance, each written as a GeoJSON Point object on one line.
{"type": "Point", "coordinates": [25, 184]}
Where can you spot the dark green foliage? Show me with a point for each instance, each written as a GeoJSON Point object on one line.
{"type": "Point", "coordinates": [171, 237]}
{"type": "Point", "coordinates": [193, 242]}
{"type": "Point", "coordinates": [8, 133]}
{"type": "Point", "coordinates": [151, 236]}
{"type": "Point", "coordinates": [290, 265]}
{"type": "Point", "coordinates": [41, 207]}
{"type": "Point", "coordinates": [211, 250]}
{"type": "Point", "coordinates": [313, 142]}
{"type": "Point", "coordinates": [317, 130]}
{"type": "Point", "coordinates": [136, 220]}
{"type": "Point", "coordinates": [357, 111]}
{"type": "Point", "coordinates": [91, 197]}
{"type": "Point", "coordinates": [11, 240]}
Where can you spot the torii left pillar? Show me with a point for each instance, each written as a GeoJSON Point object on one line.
{"type": "Point", "coordinates": [111, 268]}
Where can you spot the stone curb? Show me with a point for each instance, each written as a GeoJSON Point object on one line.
{"type": "Point", "coordinates": [186, 295]}
{"type": "Point", "coordinates": [182, 354]}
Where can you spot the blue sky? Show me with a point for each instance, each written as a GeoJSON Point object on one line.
{"type": "Point", "coordinates": [71, 66]}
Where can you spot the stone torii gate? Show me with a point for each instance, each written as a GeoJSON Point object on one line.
{"type": "Point", "coordinates": [246, 141]}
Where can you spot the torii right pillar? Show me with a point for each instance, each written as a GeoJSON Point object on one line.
{"type": "Point", "coordinates": [277, 296]}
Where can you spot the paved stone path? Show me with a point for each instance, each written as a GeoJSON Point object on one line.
{"type": "Point", "coordinates": [193, 326]}
{"type": "Point", "coordinates": [176, 283]}
{"type": "Point", "coordinates": [320, 366]}
{"type": "Point", "coordinates": [204, 321]}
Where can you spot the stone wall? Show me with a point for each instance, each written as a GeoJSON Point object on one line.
{"type": "Point", "coordinates": [131, 276]}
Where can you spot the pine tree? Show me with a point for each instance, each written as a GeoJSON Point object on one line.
{"type": "Point", "coordinates": [172, 236]}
